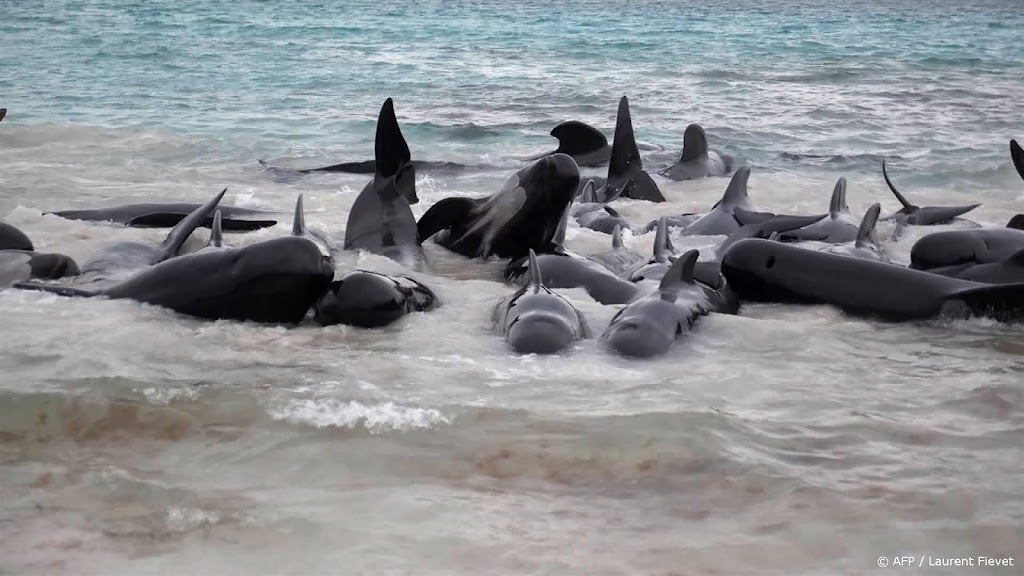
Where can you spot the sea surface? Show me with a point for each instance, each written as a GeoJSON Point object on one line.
{"type": "Point", "coordinates": [784, 440]}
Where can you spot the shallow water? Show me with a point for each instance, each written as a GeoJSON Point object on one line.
{"type": "Point", "coordinates": [790, 440]}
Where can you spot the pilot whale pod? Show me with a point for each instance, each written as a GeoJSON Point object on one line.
{"type": "Point", "coordinates": [766, 271]}
{"type": "Point", "coordinates": [535, 320]}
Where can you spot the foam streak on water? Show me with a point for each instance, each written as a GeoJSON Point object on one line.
{"type": "Point", "coordinates": [785, 440]}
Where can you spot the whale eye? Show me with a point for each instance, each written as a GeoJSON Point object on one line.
{"type": "Point", "coordinates": [769, 263]}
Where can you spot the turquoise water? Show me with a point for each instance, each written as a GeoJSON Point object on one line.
{"type": "Point", "coordinates": [783, 440]}
{"type": "Point", "coordinates": [934, 82]}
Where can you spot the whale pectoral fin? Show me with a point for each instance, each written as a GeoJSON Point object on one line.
{"type": "Point", "coordinates": [54, 289]}
{"type": "Point", "coordinates": [1017, 154]}
{"type": "Point", "coordinates": [1003, 302]}
{"type": "Point", "coordinates": [442, 216]}
{"type": "Point", "coordinates": [930, 215]}
{"type": "Point", "coordinates": [182, 230]}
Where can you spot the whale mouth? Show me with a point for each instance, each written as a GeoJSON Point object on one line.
{"type": "Point", "coordinates": [540, 335]}
{"type": "Point", "coordinates": [638, 340]}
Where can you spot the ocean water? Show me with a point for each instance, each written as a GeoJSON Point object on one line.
{"type": "Point", "coordinates": [784, 440]}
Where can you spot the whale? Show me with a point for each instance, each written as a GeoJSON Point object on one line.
{"type": "Point", "coordinates": [381, 219]}
{"type": "Point", "coordinates": [650, 324]}
{"type": "Point", "coordinates": [958, 247]}
{"type": "Point", "coordinates": [765, 271]}
{"type": "Point", "coordinates": [595, 215]}
{"type": "Point", "coordinates": [619, 260]}
{"type": "Point", "coordinates": [1009, 270]}
{"type": "Point", "coordinates": [3, 113]}
{"type": "Point", "coordinates": [587, 145]}
{"type": "Point", "coordinates": [922, 216]}
{"type": "Point", "coordinates": [525, 214]}
{"type": "Point", "coordinates": [840, 226]}
{"type": "Point", "coordinates": [663, 257]}
{"type": "Point", "coordinates": [626, 175]}
{"type": "Point", "coordinates": [21, 265]}
{"type": "Point", "coordinates": [19, 261]}
{"type": "Point", "coordinates": [12, 238]}
{"type": "Point", "coordinates": [274, 281]}
{"type": "Point", "coordinates": [721, 220]}
{"type": "Point", "coordinates": [565, 270]}
{"type": "Point", "coordinates": [234, 218]}
{"type": "Point", "coordinates": [696, 160]}
{"type": "Point", "coordinates": [371, 300]}
{"type": "Point", "coordinates": [535, 320]}
{"type": "Point", "coordinates": [117, 261]}
{"type": "Point", "coordinates": [865, 245]}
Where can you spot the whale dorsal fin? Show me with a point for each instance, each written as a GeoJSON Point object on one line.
{"type": "Point", "coordinates": [625, 154]}
{"type": "Point", "coordinates": [3, 113]}
{"type": "Point", "coordinates": [904, 201]}
{"type": "Point", "coordinates": [536, 281]}
{"type": "Point", "coordinates": [662, 245]}
{"type": "Point", "coordinates": [695, 143]}
{"type": "Point", "coordinates": [183, 229]}
{"type": "Point", "coordinates": [390, 150]}
{"type": "Point", "coordinates": [575, 137]}
{"type": "Point", "coordinates": [612, 211]}
{"type": "Point", "coordinates": [1016, 223]}
{"type": "Point", "coordinates": [866, 232]}
{"type": "Point", "coordinates": [617, 237]}
{"type": "Point", "coordinates": [1017, 154]}
{"type": "Point", "coordinates": [838, 203]}
{"type": "Point", "coordinates": [216, 231]}
{"type": "Point", "coordinates": [299, 223]}
{"type": "Point", "coordinates": [736, 193]}
{"type": "Point", "coordinates": [589, 195]}
{"type": "Point", "coordinates": [681, 271]}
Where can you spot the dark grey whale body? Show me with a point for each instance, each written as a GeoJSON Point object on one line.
{"type": "Point", "coordinates": [525, 214]}
{"type": "Point", "coordinates": [651, 323]}
{"type": "Point", "coordinates": [369, 300]}
{"type": "Point", "coordinates": [765, 271]}
{"type": "Point", "coordinates": [535, 320]}
{"type": "Point", "coordinates": [169, 215]}
{"type": "Point", "coordinates": [381, 220]}
{"type": "Point", "coordinates": [697, 160]}
{"type": "Point", "coordinates": [922, 215]}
